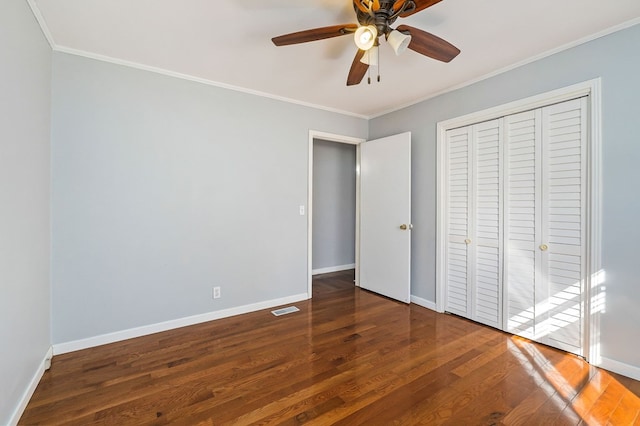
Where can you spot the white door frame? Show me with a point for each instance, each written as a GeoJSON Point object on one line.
{"type": "Point", "coordinates": [592, 287]}
{"type": "Point", "coordinates": [331, 137]}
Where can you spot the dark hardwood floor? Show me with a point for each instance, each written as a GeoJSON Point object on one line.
{"type": "Point", "coordinates": [348, 357]}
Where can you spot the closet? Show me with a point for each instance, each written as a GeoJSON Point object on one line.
{"type": "Point", "coordinates": [514, 249]}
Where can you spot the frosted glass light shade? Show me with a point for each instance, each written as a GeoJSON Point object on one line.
{"type": "Point", "coordinates": [370, 57]}
{"type": "Point", "coordinates": [365, 37]}
{"type": "Point", "coordinates": [399, 41]}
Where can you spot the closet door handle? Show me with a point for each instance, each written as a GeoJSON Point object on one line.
{"type": "Point", "coordinates": [467, 241]}
{"type": "Point", "coordinates": [544, 247]}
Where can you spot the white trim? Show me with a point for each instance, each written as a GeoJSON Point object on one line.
{"type": "Point", "coordinates": [28, 392]}
{"type": "Point", "coordinates": [358, 183]}
{"type": "Point", "coordinates": [591, 88]}
{"type": "Point", "coordinates": [43, 24]}
{"type": "Point", "coordinates": [48, 359]}
{"type": "Point", "coordinates": [103, 339]}
{"type": "Point", "coordinates": [620, 368]}
{"type": "Point", "coordinates": [594, 223]}
{"type": "Point", "coordinates": [532, 102]}
{"type": "Point", "coordinates": [310, 215]}
{"type": "Point", "coordinates": [333, 269]}
{"type": "Point", "coordinates": [441, 216]}
{"type": "Point", "coordinates": [511, 67]}
{"type": "Point", "coordinates": [424, 303]}
{"type": "Point", "coordinates": [201, 80]}
{"type": "Point", "coordinates": [331, 137]}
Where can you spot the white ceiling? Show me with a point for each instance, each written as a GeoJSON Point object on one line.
{"type": "Point", "coordinates": [229, 42]}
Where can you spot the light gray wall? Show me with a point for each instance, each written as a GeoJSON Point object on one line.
{"type": "Point", "coordinates": [25, 94]}
{"type": "Point", "coordinates": [615, 59]}
{"type": "Point", "coordinates": [334, 204]}
{"type": "Point", "coordinates": [164, 188]}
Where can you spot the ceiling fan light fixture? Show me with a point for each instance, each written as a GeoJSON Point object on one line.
{"type": "Point", "coordinates": [370, 57]}
{"type": "Point", "coordinates": [365, 37]}
{"type": "Point", "coordinates": [399, 41]}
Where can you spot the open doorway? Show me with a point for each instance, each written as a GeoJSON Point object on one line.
{"type": "Point", "coordinates": [333, 210]}
{"type": "Point", "coordinates": [334, 207]}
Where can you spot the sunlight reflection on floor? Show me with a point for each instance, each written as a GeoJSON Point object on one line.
{"type": "Point", "coordinates": [593, 395]}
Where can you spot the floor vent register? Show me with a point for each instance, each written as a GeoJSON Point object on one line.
{"type": "Point", "coordinates": [284, 311]}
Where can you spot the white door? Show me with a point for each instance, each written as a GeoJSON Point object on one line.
{"type": "Point", "coordinates": [474, 222]}
{"type": "Point", "coordinates": [459, 201]}
{"type": "Point", "coordinates": [523, 222]}
{"type": "Point", "coordinates": [546, 224]}
{"type": "Point", "coordinates": [562, 244]}
{"type": "Point", "coordinates": [385, 218]}
{"type": "Point", "coordinates": [486, 224]}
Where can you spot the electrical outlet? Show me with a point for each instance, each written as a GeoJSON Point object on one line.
{"type": "Point", "coordinates": [216, 293]}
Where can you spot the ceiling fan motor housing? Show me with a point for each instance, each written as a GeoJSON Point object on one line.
{"type": "Point", "coordinates": [384, 16]}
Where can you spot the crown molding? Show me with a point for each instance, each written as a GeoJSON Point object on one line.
{"type": "Point", "coordinates": [43, 24]}
{"type": "Point", "coordinates": [508, 68]}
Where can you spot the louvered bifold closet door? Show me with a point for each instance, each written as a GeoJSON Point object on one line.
{"type": "Point", "coordinates": [545, 204]}
{"type": "Point", "coordinates": [474, 222]}
{"type": "Point", "coordinates": [458, 186]}
{"type": "Point", "coordinates": [564, 135]}
{"type": "Point", "coordinates": [522, 200]}
{"type": "Point", "coordinates": [485, 246]}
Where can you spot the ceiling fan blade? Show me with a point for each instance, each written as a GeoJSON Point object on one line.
{"type": "Point", "coordinates": [398, 4]}
{"type": "Point", "coordinates": [358, 69]}
{"type": "Point", "coordinates": [314, 34]}
{"type": "Point", "coordinates": [429, 45]}
{"type": "Point", "coordinates": [420, 5]}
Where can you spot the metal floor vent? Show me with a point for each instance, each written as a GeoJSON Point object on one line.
{"type": "Point", "coordinates": [285, 311]}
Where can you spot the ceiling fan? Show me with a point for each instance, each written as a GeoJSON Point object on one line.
{"type": "Point", "coordinates": [375, 18]}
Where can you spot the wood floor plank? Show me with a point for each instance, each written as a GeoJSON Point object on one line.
{"type": "Point", "coordinates": [606, 404]}
{"type": "Point", "coordinates": [524, 413]}
{"type": "Point", "coordinates": [566, 377]}
{"type": "Point", "coordinates": [627, 410]}
{"type": "Point", "coordinates": [394, 403]}
{"type": "Point", "coordinates": [587, 397]}
{"type": "Point", "coordinates": [348, 357]}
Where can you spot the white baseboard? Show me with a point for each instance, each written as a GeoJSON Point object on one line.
{"type": "Point", "coordinates": [333, 269]}
{"type": "Point", "coordinates": [33, 384]}
{"type": "Point", "coordinates": [620, 368]}
{"type": "Point", "coordinates": [424, 303]}
{"type": "Point", "coordinates": [103, 339]}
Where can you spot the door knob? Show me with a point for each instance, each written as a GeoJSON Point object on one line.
{"type": "Point", "coordinates": [544, 247]}
{"type": "Point", "coordinates": [404, 227]}
{"type": "Point", "coordinates": [467, 241]}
